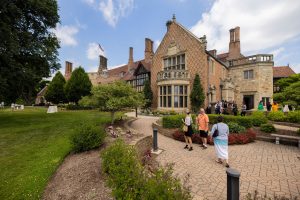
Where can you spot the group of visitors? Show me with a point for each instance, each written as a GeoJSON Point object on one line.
{"type": "Point", "coordinates": [219, 133]}
{"type": "Point", "coordinates": [224, 107]}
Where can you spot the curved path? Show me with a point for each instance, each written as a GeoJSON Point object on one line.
{"type": "Point", "coordinates": [268, 168]}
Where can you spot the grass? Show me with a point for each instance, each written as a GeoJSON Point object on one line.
{"type": "Point", "coordinates": [33, 144]}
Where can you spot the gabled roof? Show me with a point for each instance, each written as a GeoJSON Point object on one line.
{"type": "Point", "coordinates": [195, 37]}
{"type": "Point", "coordinates": [115, 74]}
{"type": "Point", "coordinates": [282, 72]}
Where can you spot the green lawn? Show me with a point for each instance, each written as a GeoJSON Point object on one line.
{"type": "Point", "coordinates": [33, 144]}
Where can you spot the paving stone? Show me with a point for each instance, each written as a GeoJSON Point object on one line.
{"type": "Point", "coordinates": [265, 167]}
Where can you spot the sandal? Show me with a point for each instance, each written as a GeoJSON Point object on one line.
{"type": "Point", "coordinates": [218, 161]}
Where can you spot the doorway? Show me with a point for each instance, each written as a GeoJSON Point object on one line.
{"type": "Point", "coordinates": [249, 101]}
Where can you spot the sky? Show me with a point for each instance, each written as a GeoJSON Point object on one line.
{"type": "Point", "coordinates": [268, 27]}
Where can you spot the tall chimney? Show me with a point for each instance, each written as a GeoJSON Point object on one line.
{"type": "Point", "coordinates": [68, 70]}
{"type": "Point", "coordinates": [102, 63]}
{"type": "Point", "coordinates": [148, 50]}
{"type": "Point", "coordinates": [234, 44]}
{"type": "Point", "coordinates": [130, 60]}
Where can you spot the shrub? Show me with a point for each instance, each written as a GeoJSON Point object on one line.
{"type": "Point", "coordinates": [234, 138]}
{"type": "Point", "coordinates": [129, 180]}
{"type": "Point", "coordinates": [293, 117]}
{"type": "Point", "coordinates": [87, 137]}
{"type": "Point", "coordinates": [78, 107]}
{"type": "Point", "coordinates": [246, 122]}
{"type": "Point", "coordinates": [235, 128]}
{"type": "Point", "coordinates": [277, 116]}
{"type": "Point", "coordinates": [124, 171]}
{"type": "Point", "coordinates": [162, 185]}
{"type": "Point", "coordinates": [258, 118]}
{"type": "Point", "coordinates": [267, 128]}
{"type": "Point", "coordinates": [173, 121]}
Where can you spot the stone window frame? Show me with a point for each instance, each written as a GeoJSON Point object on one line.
{"type": "Point", "coordinates": [247, 74]}
{"type": "Point", "coordinates": [177, 99]}
{"type": "Point", "coordinates": [179, 59]}
{"type": "Point", "coordinates": [212, 66]}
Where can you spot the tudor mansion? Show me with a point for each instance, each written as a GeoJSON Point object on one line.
{"type": "Point", "coordinates": [181, 55]}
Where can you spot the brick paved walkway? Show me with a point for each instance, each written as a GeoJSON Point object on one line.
{"type": "Point", "coordinates": [268, 168]}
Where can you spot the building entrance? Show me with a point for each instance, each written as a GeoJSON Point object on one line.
{"type": "Point", "coordinates": [249, 101]}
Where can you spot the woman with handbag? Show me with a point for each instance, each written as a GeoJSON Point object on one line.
{"type": "Point", "coordinates": [220, 132]}
{"type": "Point", "coordinates": [188, 130]}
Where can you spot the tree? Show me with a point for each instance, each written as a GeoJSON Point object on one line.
{"type": "Point", "coordinates": [148, 94]}
{"type": "Point", "coordinates": [55, 92]}
{"type": "Point", "coordinates": [28, 47]}
{"type": "Point", "coordinates": [290, 90]}
{"type": "Point", "coordinates": [197, 95]}
{"type": "Point", "coordinates": [113, 97]}
{"type": "Point", "coordinates": [79, 85]}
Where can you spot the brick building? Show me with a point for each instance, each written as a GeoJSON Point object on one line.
{"type": "Point", "coordinates": [279, 73]}
{"type": "Point", "coordinates": [134, 72]}
{"type": "Point", "coordinates": [229, 76]}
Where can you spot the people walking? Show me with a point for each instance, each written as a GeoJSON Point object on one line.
{"type": "Point", "coordinates": [221, 141]}
{"type": "Point", "coordinates": [274, 106]}
{"type": "Point", "coordinates": [202, 122]}
{"type": "Point", "coordinates": [260, 106]}
{"type": "Point", "coordinates": [244, 108]}
{"type": "Point", "coordinates": [188, 121]}
{"type": "Point", "coordinates": [234, 109]}
{"type": "Point", "coordinates": [269, 106]}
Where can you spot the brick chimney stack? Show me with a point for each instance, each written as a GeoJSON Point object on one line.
{"type": "Point", "coordinates": [130, 60]}
{"type": "Point", "coordinates": [148, 50]}
{"type": "Point", "coordinates": [234, 43]}
{"type": "Point", "coordinates": [102, 64]}
{"type": "Point", "coordinates": [68, 70]}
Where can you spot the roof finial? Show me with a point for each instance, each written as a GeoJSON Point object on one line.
{"type": "Point", "coordinates": [174, 18]}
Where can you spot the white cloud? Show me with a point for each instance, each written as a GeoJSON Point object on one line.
{"type": "Point", "coordinates": [112, 10]}
{"type": "Point", "coordinates": [89, 2]}
{"type": "Point", "coordinates": [276, 52]}
{"type": "Point", "coordinates": [66, 34]}
{"type": "Point", "coordinates": [94, 51]}
{"type": "Point", "coordinates": [296, 67]}
{"type": "Point", "coordinates": [264, 24]}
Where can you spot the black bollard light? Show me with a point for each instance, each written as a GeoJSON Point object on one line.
{"type": "Point", "coordinates": [155, 147]}
{"type": "Point", "coordinates": [233, 184]}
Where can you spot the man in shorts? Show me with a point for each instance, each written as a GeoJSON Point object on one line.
{"type": "Point", "coordinates": [202, 122]}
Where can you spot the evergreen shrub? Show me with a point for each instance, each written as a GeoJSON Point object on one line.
{"type": "Point", "coordinates": [267, 128]}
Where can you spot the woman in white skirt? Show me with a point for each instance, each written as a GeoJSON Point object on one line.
{"type": "Point", "coordinates": [221, 141]}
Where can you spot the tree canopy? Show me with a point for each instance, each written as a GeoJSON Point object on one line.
{"type": "Point", "coordinates": [113, 97]}
{"type": "Point", "coordinates": [148, 94]}
{"type": "Point", "coordinates": [28, 47]}
{"type": "Point", "coordinates": [197, 95]}
{"type": "Point", "coordinates": [78, 85]}
{"type": "Point", "coordinates": [55, 92]}
{"type": "Point", "coordinates": [289, 90]}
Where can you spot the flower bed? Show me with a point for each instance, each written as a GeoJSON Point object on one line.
{"type": "Point", "coordinates": [234, 138]}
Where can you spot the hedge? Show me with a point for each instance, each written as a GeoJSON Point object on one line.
{"type": "Point", "coordinates": [129, 180]}
{"type": "Point", "coordinates": [175, 121]}
{"type": "Point", "coordinates": [234, 138]}
{"type": "Point", "coordinates": [267, 128]}
{"type": "Point", "coordinates": [278, 116]}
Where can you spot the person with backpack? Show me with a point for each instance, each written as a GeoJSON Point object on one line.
{"type": "Point", "coordinates": [220, 133]}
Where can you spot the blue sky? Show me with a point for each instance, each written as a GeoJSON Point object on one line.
{"type": "Point", "coordinates": [270, 26]}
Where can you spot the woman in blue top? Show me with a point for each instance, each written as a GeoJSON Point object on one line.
{"type": "Point", "coordinates": [221, 141]}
